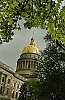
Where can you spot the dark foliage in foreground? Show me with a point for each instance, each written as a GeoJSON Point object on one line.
{"type": "Point", "coordinates": [54, 73]}
{"type": "Point", "coordinates": [51, 76]}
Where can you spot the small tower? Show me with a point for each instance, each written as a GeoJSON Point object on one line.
{"type": "Point", "coordinates": [29, 60]}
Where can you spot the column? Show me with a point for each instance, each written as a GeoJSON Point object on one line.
{"type": "Point", "coordinates": [33, 64]}
{"type": "Point", "coordinates": [19, 64]}
{"type": "Point", "coordinates": [30, 64]}
{"type": "Point", "coordinates": [22, 64]}
{"type": "Point", "coordinates": [25, 64]}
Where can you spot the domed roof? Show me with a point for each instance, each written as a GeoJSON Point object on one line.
{"type": "Point", "coordinates": [31, 48]}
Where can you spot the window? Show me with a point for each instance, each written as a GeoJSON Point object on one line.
{"type": "Point", "coordinates": [17, 86]}
{"type": "Point", "coordinates": [3, 79]}
{"type": "Point", "coordinates": [1, 90]}
{"type": "Point", "coordinates": [8, 81]}
{"type": "Point", "coordinates": [14, 84]}
{"type": "Point", "coordinates": [16, 94]}
{"type": "Point", "coordinates": [13, 94]}
{"type": "Point", "coordinates": [7, 90]}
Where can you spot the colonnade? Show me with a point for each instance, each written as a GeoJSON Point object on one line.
{"type": "Point", "coordinates": [26, 64]}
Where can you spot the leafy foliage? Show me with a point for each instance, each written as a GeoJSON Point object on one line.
{"type": "Point", "coordinates": [56, 26]}
{"type": "Point", "coordinates": [36, 13]}
{"type": "Point", "coordinates": [54, 73]}
{"type": "Point", "coordinates": [8, 19]}
{"type": "Point", "coordinates": [30, 90]}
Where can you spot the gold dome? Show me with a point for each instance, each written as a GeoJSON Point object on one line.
{"type": "Point", "coordinates": [31, 48]}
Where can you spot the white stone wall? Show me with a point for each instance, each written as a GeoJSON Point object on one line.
{"type": "Point", "coordinates": [10, 83]}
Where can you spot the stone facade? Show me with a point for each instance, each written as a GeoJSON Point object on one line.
{"type": "Point", "coordinates": [10, 83]}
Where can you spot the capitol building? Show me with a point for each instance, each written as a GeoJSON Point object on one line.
{"type": "Point", "coordinates": [28, 62]}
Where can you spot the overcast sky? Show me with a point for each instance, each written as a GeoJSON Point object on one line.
{"type": "Point", "coordinates": [10, 52]}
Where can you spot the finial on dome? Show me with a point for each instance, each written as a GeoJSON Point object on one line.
{"type": "Point", "coordinates": [32, 40]}
{"type": "Point", "coordinates": [31, 47]}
